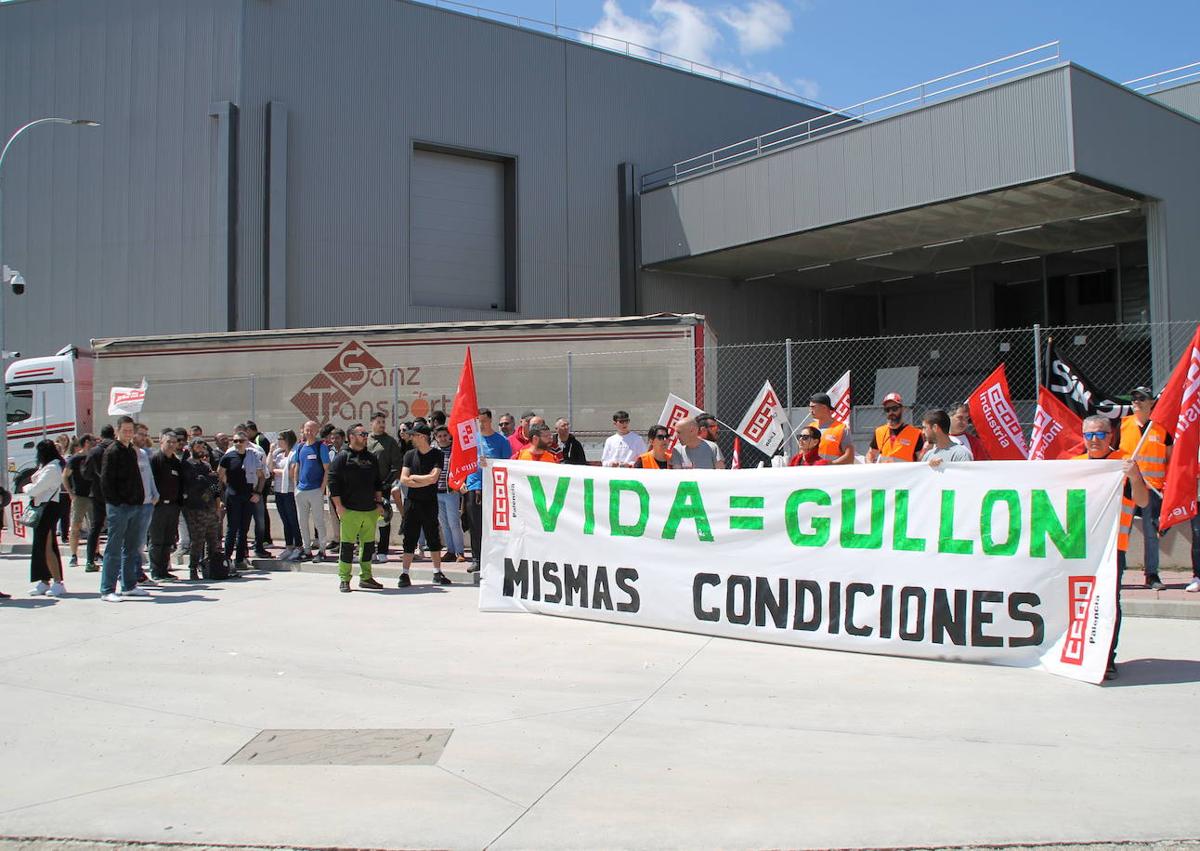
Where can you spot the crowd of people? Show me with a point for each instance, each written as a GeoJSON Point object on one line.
{"type": "Point", "coordinates": [338, 492]}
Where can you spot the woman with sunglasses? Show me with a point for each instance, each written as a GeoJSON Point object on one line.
{"type": "Point", "coordinates": [810, 446]}
{"type": "Point", "coordinates": [659, 456]}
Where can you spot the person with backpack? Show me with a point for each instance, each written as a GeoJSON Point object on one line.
{"type": "Point", "coordinates": [90, 468]}
{"type": "Point", "coordinates": [202, 514]}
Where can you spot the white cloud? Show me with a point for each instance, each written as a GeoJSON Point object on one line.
{"type": "Point", "coordinates": [675, 26]}
{"type": "Point", "coordinates": [810, 89]}
{"type": "Point", "coordinates": [758, 25]}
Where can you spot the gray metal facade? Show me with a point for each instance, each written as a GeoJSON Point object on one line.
{"type": "Point", "coordinates": [1185, 98]}
{"type": "Point", "coordinates": [254, 165]}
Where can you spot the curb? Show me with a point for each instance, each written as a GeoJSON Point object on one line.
{"type": "Point", "coordinates": [1177, 609]}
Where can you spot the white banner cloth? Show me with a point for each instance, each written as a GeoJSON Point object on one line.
{"type": "Point", "coordinates": [127, 400]}
{"type": "Point", "coordinates": [765, 425]}
{"type": "Point", "coordinates": [992, 562]}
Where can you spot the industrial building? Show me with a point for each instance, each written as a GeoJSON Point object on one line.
{"type": "Point", "coordinates": [299, 163]}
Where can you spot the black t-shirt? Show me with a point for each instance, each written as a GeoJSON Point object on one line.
{"type": "Point", "coordinates": [235, 475]}
{"type": "Point", "coordinates": [81, 485]}
{"type": "Point", "coordinates": [423, 465]}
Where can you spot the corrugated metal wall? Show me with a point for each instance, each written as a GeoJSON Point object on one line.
{"type": "Point", "coordinates": [1184, 98]}
{"type": "Point", "coordinates": [112, 226]}
{"type": "Point", "coordinates": [1006, 135]}
{"type": "Point", "coordinates": [364, 79]}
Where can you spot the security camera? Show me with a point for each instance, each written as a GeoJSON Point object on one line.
{"type": "Point", "coordinates": [18, 283]}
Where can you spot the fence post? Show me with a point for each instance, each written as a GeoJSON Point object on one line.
{"type": "Point", "coordinates": [253, 412]}
{"type": "Point", "coordinates": [787, 361]}
{"type": "Point", "coordinates": [570, 388]}
{"type": "Point", "coordinates": [395, 396]}
{"type": "Point", "coordinates": [1037, 359]}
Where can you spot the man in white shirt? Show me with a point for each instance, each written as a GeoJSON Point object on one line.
{"type": "Point", "coordinates": [623, 448]}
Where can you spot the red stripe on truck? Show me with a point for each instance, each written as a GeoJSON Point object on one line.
{"type": "Point", "coordinates": [28, 430]}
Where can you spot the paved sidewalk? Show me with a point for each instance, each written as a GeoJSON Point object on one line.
{"type": "Point", "coordinates": [118, 722]}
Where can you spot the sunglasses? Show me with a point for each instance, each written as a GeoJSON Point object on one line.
{"type": "Point", "coordinates": [809, 437]}
{"type": "Point", "coordinates": [891, 409]}
{"type": "Point", "coordinates": [241, 440]}
{"type": "Point", "coordinates": [622, 420]}
{"type": "Point", "coordinates": [1095, 435]}
{"type": "Point", "coordinates": [661, 436]}
{"type": "Point", "coordinates": [359, 433]}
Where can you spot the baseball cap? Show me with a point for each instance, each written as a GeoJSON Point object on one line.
{"type": "Point", "coordinates": [821, 399]}
{"type": "Point", "coordinates": [889, 398]}
{"type": "Point", "coordinates": [421, 428]}
{"type": "Point", "coordinates": [1144, 392]}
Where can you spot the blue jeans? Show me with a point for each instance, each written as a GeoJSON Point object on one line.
{"type": "Point", "coordinates": [239, 512]}
{"type": "Point", "coordinates": [121, 553]}
{"type": "Point", "coordinates": [449, 504]}
{"type": "Point", "coordinates": [285, 504]}
{"type": "Point", "coordinates": [145, 515]}
{"type": "Point", "coordinates": [1150, 515]}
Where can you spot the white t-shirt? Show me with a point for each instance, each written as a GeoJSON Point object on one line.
{"type": "Point", "coordinates": [281, 470]}
{"type": "Point", "coordinates": [622, 449]}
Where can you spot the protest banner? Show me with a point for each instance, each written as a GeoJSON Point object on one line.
{"type": "Point", "coordinates": [839, 397]}
{"type": "Point", "coordinates": [995, 418]}
{"type": "Point", "coordinates": [1056, 430]}
{"type": "Point", "coordinates": [1078, 392]}
{"type": "Point", "coordinates": [764, 424]}
{"type": "Point", "coordinates": [1178, 411]}
{"type": "Point", "coordinates": [127, 400]}
{"type": "Point", "coordinates": [464, 428]}
{"type": "Point", "coordinates": [1008, 564]}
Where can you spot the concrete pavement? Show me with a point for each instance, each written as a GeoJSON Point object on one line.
{"type": "Point", "coordinates": [116, 722]}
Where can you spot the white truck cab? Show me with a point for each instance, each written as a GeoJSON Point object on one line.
{"type": "Point", "coordinates": [45, 397]}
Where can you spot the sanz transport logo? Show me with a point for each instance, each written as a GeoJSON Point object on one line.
{"type": "Point", "coordinates": [1081, 589]}
{"type": "Point", "coordinates": [354, 385]}
{"type": "Point", "coordinates": [501, 499]}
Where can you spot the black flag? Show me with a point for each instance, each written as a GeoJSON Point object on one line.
{"type": "Point", "coordinates": [1077, 391]}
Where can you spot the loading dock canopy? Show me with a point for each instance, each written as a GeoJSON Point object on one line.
{"type": "Point", "coordinates": [1058, 160]}
{"type": "Point", "coordinates": [1057, 215]}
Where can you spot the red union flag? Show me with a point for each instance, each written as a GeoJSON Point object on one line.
{"type": "Point", "coordinates": [673, 411]}
{"type": "Point", "coordinates": [839, 396]}
{"type": "Point", "coordinates": [996, 420]}
{"type": "Point", "coordinates": [464, 428]}
{"type": "Point", "coordinates": [764, 424]}
{"type": "Point", "coordinates": [1178, 411]}
{"type": "Point", "coordinates": [1056, 430]}
{"type": "Point", "coordinates": [736, 463]}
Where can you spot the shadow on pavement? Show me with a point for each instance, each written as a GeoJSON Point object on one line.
{"type": "Point", "coordinates": [28, 603]}
{"type": "Point", "coordinates": [411, 590]}
{"type": "Point", "coordinates": [1156, 672]}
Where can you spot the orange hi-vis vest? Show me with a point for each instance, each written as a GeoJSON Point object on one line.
{"type": "Point", "coordinates": [832, 443]}
{"type": "Point", "coordinates": [649, 462]}
{"type": "Point", "coordinates": [1152, 458]}
{"type": "Point", "coordinates": [901, 447]}
{"type": "Point", "coordinates": [1127, 506]}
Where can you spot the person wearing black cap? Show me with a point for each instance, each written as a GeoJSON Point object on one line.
{"type": "Point", "coordinates": [835, 447]}
{"type": "Point", "coordinates": [1152, 458]}
{"type": "Point", "coordinates": [420, 472]}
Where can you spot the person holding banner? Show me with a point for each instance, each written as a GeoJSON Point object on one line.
{"type": "Point", "coordinates": [895, 440]}
{"type": "Point", "coordinates": [835, 446]}
{"type": "Point", "coordinates": [492, 444]}
{"type": "Point", "coordinates": [936, 431]}
{"type": "Point", "coordinates": [1151, 458]}
{"type": "Point", "coordinates": [659, 456]}
{"type": "Point", "coordinates": [538, 448]}
{"type": "Point", "coordinates": [693, 452]}
{"type": "Point", "coordinates": [622, 447]}
{"type": "Point", "coordinates": [810, 438]}
{"type": "Point", "coordinates": [1097, 435]}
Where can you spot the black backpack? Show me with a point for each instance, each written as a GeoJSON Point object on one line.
{"type": "Point", "coordinates": [215, 568]}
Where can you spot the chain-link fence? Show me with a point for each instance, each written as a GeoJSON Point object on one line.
{"type": "Point", "coordinates": [929, 370]}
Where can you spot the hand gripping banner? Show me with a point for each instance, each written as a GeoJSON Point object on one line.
{"type": "Point", "coordinates": [991, 562]}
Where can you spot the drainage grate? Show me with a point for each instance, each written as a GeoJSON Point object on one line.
{"type": "Point", "coordinates": [343, 747]}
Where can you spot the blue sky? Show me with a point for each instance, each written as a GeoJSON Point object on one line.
{"type": "Point", "coordinates": [845, 51]}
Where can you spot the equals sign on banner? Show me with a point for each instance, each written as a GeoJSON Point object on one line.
{"type": "Point", "coordinates": [751, 522]}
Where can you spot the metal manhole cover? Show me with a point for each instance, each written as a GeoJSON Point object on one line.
{"type": "Point", "coordinates": [343, 747]}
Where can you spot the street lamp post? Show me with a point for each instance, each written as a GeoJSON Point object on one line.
{"type": "Point", "coordinates": [79, 122]}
